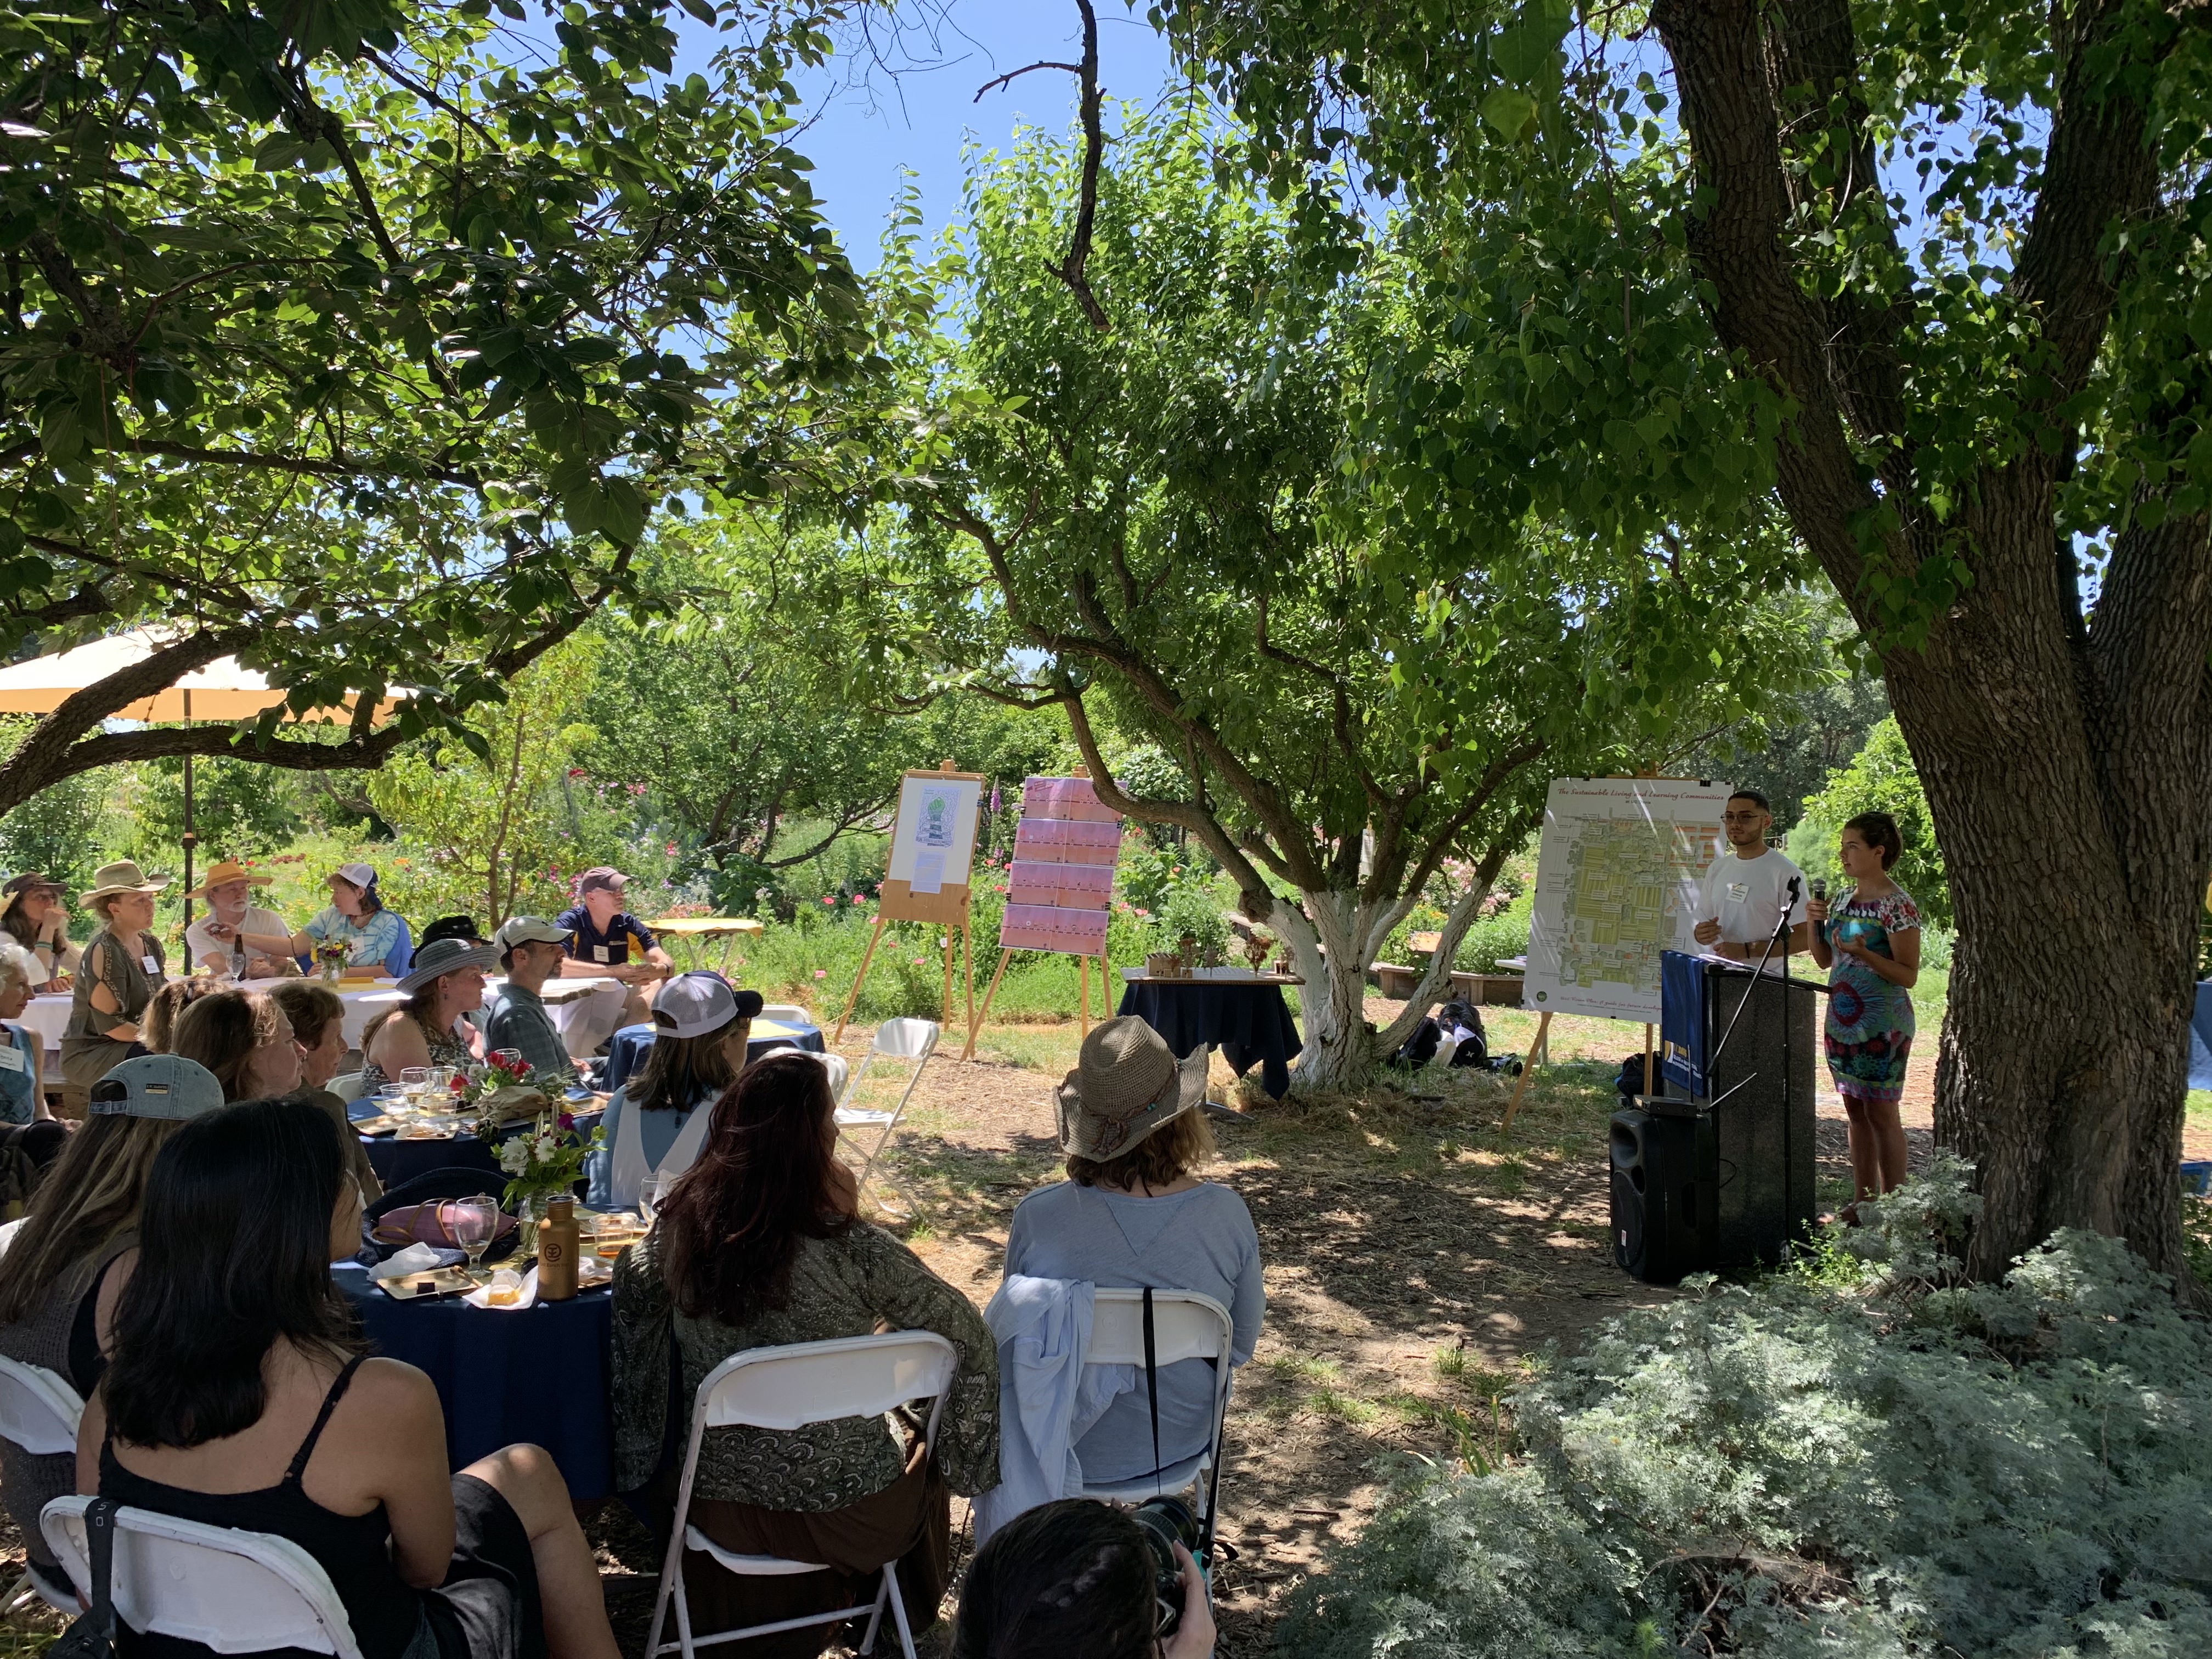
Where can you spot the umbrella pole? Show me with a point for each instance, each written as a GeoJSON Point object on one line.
{"type": "Point", "coordinates": [190, 839]}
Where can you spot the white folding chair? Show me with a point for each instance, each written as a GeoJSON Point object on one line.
{"type": "Point", "coordinates": [896, 1039]}
{"type": "Point", "coordinates": [786, 1013]}
{"type": "Point", "coordinates": [1186, 1325]}
{"type": "Point", "coordinates": [233, 1591]}
{"type": "Point", "coordinates": [347, 1086]}
{"type": "Point", "coordinates": [786, 1388]}
{"type": "Point", "coordinates": [38, 1411]}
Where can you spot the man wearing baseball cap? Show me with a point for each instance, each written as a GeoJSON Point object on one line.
{"type": "Point", "coordinates": [531, 951]}
{"type": "Point", "coordinates": [605, 941]}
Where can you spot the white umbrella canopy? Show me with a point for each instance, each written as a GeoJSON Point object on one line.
{"type": "Point", "coordinates": [223, 690]}
{"type": "Point", "coordinates": [220, 691]}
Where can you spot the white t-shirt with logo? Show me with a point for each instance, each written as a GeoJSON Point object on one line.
{"type": "Point", "coordinates": [1746, 896]}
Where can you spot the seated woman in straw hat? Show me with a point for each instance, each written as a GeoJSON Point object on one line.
{"type": "Point", "coordinates": [1132, 1214]}
{"type": "Point", "coordinates": [123, 965]}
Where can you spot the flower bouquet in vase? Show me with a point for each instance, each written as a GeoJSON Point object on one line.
{"type": "Point", "coordinates": [544, 1163]}
{"type": "Point", "coordinates": [503, 1089]}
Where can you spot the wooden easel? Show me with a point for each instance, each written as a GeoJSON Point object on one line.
{"type": "Point", "coordinates": [946, 909]}
{"type": "Point", "coordinates": [1082, 991]}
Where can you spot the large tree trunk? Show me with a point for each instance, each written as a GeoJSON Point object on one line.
{"type": "Point", "coordinates": [2067, 764]}
{"type": "Point", "coordinates": [2076, 846]}
{"type": "Point", "coordinates": [1324, 941]}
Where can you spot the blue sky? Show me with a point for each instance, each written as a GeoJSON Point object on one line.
{"type": "Point", "coordinates": [915, 106]}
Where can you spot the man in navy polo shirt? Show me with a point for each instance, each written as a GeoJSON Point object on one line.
{"type": "Point", "coordinates": [606, 941]}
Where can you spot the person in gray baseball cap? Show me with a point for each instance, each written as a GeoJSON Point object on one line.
{"type": "Point", "coordinates": [76, 1247]}
{"type": "Point", "coordinates": [531, 951]}
{"type": "Point", "coordinates": [1132, 1213]}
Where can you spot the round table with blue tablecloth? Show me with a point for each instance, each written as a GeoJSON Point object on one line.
{"type": "Point", "coordinates": [541, 1374]}
{"type": "Point", "coordinates": [396, 1161]}
{"type": "Point", "coordinates": [626, 1049]}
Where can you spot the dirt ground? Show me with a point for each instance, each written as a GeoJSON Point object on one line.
{"type": "Point", "coordinates": [1415, 1257]}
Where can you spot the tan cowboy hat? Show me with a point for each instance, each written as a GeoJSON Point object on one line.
{"type": "Point", "coordinates": [223, 874]}
{"type": "Point", "coordinates": [1126, 1084]}
{"type": "Point", "coordinates": [123, 876]}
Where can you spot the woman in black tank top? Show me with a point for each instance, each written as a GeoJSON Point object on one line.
{"type": "Point", "coordinates": [231, 1350]}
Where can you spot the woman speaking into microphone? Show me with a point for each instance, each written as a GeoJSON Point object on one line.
{"type": "Point", "coordinates": [1869, 942]}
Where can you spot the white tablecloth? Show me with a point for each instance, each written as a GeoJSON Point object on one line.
{"type": "Point", "coordinates": [583, 1011]}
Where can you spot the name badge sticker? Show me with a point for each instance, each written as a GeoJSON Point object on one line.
{"type": "Point", "coordinates": [1738, 891]}
{"type": "Point", "coordinates": [152, 965]}
{"type": "Point", "coordinates": [11, 1059]}
{"type": "Point", "coordinates": [598, 953]}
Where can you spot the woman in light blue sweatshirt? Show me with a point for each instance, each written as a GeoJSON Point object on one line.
{"type": "Point", "coordinates": [1132, 1214]}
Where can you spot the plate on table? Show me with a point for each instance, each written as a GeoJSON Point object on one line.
{"type": "Point", "coordinates": [427, 1287]}
{"type": "Point", "coordinates": [378, 1124]}
{"type": "Point", "coordinates": [420, 1131]}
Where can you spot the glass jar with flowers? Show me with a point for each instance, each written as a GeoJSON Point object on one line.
{"type": "Point", "coordinates": [544, 1163]}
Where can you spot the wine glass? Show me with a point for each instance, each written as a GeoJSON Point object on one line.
{"type": "Point", "coordinates": [473, 1222]}
{"type": "Point", "coordinates": [414, 1083]}
{"type": "Point", "coordinates": [648, 1195]}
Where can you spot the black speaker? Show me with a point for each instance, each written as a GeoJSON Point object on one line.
{"type": "Point", "coordinates": [1664, 1193]}
{"type": "Point", "coordinates": [1758, 1094]}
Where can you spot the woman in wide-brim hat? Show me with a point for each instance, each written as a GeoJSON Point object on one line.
{"type": "Point", "coordinates": [446, 981]}
{"type": "Point", "coordinates": [36, 917]}
{"type": "Point", "coordinates": [1132, 1213]}
{"type": "Point", "coordinates": [123, 965]}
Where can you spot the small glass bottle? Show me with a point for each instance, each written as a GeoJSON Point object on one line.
{"type": "Point", "coordinates": [558, 1244]}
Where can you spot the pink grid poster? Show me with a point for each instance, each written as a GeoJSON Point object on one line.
{"type": "Point", "coordinates": [1062, 885]}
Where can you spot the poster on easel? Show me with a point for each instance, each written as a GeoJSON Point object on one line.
{"type": "Point", "coordinates": [1060, 888]}
{"type": "Point", "coordinates": [932, 853]}
{"type": "Point", "coordinates": [1618, 876]}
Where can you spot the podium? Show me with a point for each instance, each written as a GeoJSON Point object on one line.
{"type": "Point", "coordinates": [1716, 1171]}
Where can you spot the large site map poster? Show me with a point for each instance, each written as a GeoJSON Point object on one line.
{"type": "Point", "coordinates": [1617, 882]}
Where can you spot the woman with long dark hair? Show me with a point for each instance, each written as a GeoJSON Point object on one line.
{"type": "Point", "coordinates": [759, 1245]}
{"type": "Point", "coordinates": [68, 1263]}
{"type": "Point", "coordinates": [238, 1396]}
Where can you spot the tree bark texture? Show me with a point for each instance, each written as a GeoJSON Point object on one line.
{"type": "Point", "coordinates": [2068, 770]}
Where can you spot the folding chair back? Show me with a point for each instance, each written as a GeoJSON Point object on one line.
{"type": "Point", "coordinates": [38, 1410]}
{"type": "Point", "coordinates": [785, 1388]}
{"type": "Point", "coordinates": [233, 1591]}
{"type": "Point", "coordinates": [1186, 1325]}
{"type": "Point", "coordinates": [786, 1013]}
{"type": "Point", "coordinates": [896, 1039]}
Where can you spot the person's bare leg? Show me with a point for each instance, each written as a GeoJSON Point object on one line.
{"type": "Point", "coordinates": [1888, 1138]}
{"type": "Point", "coordinates": [1866, 1157]}
{"type": "Point", "coordinates": [569, 1592]}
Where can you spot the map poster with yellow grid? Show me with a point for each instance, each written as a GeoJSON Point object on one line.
{"type": "Point", "coordinates": [1617, 883]}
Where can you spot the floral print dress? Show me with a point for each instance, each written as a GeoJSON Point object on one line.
{"type": "Point", "coordinates": [1869, 1026]}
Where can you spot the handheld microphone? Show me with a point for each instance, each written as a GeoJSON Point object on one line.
{"type": "Point", "coordinates": [1819, 888]}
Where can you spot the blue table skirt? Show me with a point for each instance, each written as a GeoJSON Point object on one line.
{"type": "Point", "coordinates": [395, 1160]}
{"type": "Point", "coordinates": [543, 1375]}
{"type": "Point", "coordinates": [626, 1050]}
{"type": "Point", "coordinates": [1250, 1024]}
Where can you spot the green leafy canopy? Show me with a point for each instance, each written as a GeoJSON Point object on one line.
{"type": "Point", "coordinates": [370, 333]}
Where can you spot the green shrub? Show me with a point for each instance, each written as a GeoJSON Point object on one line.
{"type": "Point", "coordinates": [1859, 1458]}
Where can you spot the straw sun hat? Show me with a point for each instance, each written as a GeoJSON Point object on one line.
{"type": "Point", "coordinates": [123, 876]}
{"type": "Point", "coordinates": [1126, 1084]}
{"type": "Point", "coordinates": [223, 874]}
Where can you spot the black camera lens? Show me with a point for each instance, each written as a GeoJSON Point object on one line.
{"type": "Point", "coordinates": [1165, 1522]}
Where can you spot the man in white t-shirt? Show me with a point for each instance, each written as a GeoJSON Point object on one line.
{"type": "Point", "coordinates": [212, 940]}
{"type": "Point", "coordinates": [1747, 887]}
